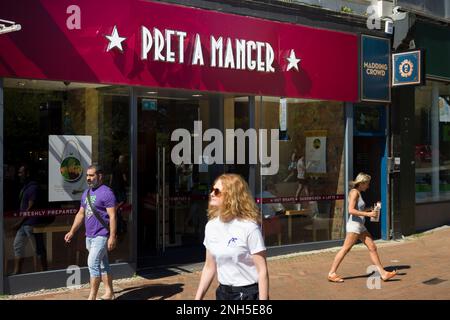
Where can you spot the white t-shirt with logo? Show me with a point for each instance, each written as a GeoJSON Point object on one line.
{"type": "Point", "coordinates": [232, 244]}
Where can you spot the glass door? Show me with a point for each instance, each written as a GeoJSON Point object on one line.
{"type": "Point", "coordinates": [172, 197]}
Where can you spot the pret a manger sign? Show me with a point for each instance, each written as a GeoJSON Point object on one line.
{"type": "Point", "coordinates": [224, 52]}
{"type": "Point", "coordinates": [160, 45]}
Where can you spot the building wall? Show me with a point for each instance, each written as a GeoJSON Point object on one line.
{"type": "Point", "coordinates": [432, 215]}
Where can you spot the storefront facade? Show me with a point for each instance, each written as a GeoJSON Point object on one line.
{"type": "Point", "coordinates": [78, 87]}
{"type": "Point", "coordinates": [424, 110]}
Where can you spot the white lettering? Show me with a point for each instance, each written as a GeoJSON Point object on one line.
{"type": "Point", "coordinates": [240, 54]}
{"type": "Point", "coordinates": [187, 310]}
{"type": "Point", "coordinates": [197, 141]}
{"type": "Point", "coordinates": [216, 45]}
{"type": "Point", "coordinates": [259, 61]}
{"type": "Point", "coordinates": [215, 147]}
{"type": "Point", "coordinates": [74, 280]}
{"type": "Point", "coordinates": [159, 45]}
{"type": "Point", "coordinates": [184, 145]}
{"type": "Point", "coordinates": [147, 42]}
{"type": "Point", "coordinates": [229, 59]}
{"type": "Point", "coordinates": [373, 21]}
{"type": "Point", "coordinates": [269, 165]}
{"type": "Point", "coordinates": [170, 55]}
{"type": "Point", "coordinates": [181, 35]}
{"type": "Point", "coordinates": [197, 57]}
{"type": "Point", "coordinates": [214, 151]}
{"type": "Point", "coordinates": [251, 64]}
{"type": "Point", "coordinates": [270, 56]}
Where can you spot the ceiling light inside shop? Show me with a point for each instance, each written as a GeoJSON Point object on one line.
{"type": "Point", "coordinates": [197, 95]}
{"type": "Point", "coordinates": [152, 92]}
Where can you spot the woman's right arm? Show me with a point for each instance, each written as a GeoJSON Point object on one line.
{"type": "Point", "coordinates": [353, 199]}
{"type": "Point", "coordinates": [208, 274]}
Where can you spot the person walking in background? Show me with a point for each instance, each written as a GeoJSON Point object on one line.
{"type": "Point", "coordinates": [356, 230]}
{"type": "Point", "coordinates": [98, 211]}
{"type": "Point", "coordinates": [234, 244]}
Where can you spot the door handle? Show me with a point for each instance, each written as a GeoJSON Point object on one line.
{"type": "Point", "coordinates": [164, 198]}
{"type": "Point", "coordinates": [158, 202]}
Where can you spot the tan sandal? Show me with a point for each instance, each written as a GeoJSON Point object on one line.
{"type": "Point", "coordinates": [335, 278]}
{"type": "Point", "coordinates": [389, 275]}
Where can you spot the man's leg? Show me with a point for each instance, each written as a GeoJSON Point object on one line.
{"type": "Point", "coordinates": [95, 283]}
{"type": "Point", "coordinates": [41, 252]}
{"type": "Point", "coordinates": [107, 282]}
{"type": "Point", "coordinates": [107, 277]}
{"type": "Point", "coordinates": [20, 241]}
{"type": "Point", "coordinates": [95, 247]}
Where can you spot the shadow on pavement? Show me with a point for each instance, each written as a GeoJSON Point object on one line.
{"type": "Point", "coordinates": [398, 268]}
{"type": "Point", "coordinates": [155, 291]}
{"type": "Point", "coordinates": [389, 268]}
{"type": "Point", "coordinates": [358, 277]}
{"type": "Point", "coordinates": [168, 271]}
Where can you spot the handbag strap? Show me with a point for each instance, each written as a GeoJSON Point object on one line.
{"type": "Point", "coordinates": [95, 212]}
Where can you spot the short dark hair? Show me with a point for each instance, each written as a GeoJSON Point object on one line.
{"type": "Point", "coordinates": [98, 168]}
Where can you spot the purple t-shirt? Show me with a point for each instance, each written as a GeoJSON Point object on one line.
{"type": "Point", "coordinates": [101, 198]}
{"type": "Point", "coordinates": [28, 193]}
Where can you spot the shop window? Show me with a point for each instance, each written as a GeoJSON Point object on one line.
{"type": "Point", "coordinates": [53, 131]}
{"type": "Point", "coordinates": [304, 200]}
{"type": "Point", "coordinates": [432, 142]}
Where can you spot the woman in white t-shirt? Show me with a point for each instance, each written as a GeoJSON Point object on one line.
{"type": "Point", "coordinates": [235, 249]}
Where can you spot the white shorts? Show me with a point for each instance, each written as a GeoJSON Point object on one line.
{"type": "Point", "coordinates": [355, 227]}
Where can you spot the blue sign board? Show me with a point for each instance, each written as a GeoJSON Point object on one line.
{"type": "Point", "coordinates": [375, 69]}
{"type": "Point", "coordinates": [407, 68]}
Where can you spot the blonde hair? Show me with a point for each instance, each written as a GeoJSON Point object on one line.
{"type": "Point", "coordinates": [238, 202]}
{"type": "Point", "coordinates": [360, 178]}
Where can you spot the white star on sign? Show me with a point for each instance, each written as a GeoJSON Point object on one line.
{"type": "Point", "coordinates": [293, 61]}
{"type": "Point", "coordinates": [115, 40]}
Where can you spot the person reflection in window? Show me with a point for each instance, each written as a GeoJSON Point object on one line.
{"type": "Point", "coordinates": [119, 180]}
{"type": "Point", "coordinates": [28, 200]}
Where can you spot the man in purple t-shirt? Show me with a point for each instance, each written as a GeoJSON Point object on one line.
{"type": "Point", "coordinates": [100, 235]}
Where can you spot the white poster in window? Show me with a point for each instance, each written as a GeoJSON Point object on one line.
{"type": "Point", "coordinates": [68, 159]}
{"type": "Point", "coordinates": [444, 108]}
{"type": "Point", "coordinates": [316, 151]}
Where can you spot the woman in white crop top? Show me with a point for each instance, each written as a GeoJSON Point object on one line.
{"type": "Point", "coordinates": [234, 244]}
{"type": "Point", "coordinates": [356, 230]}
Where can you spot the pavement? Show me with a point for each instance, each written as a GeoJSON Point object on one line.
{"type": "Point", "coordinates": [422, 261]}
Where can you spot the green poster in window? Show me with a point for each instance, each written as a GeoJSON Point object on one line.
{"type": "Point", "coordinates": [446, 133]}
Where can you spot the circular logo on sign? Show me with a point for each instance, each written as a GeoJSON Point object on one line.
{"type": "Point", "coordinates": [406, 68]}
{"type": "Point", "coordinates": [71, 169]}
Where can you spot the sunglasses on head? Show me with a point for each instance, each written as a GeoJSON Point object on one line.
{"type": "Point", "coordinates": [216, 191]}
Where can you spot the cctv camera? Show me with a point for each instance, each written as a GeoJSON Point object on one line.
{"type": "Point", "coordinates": [15, 27]}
